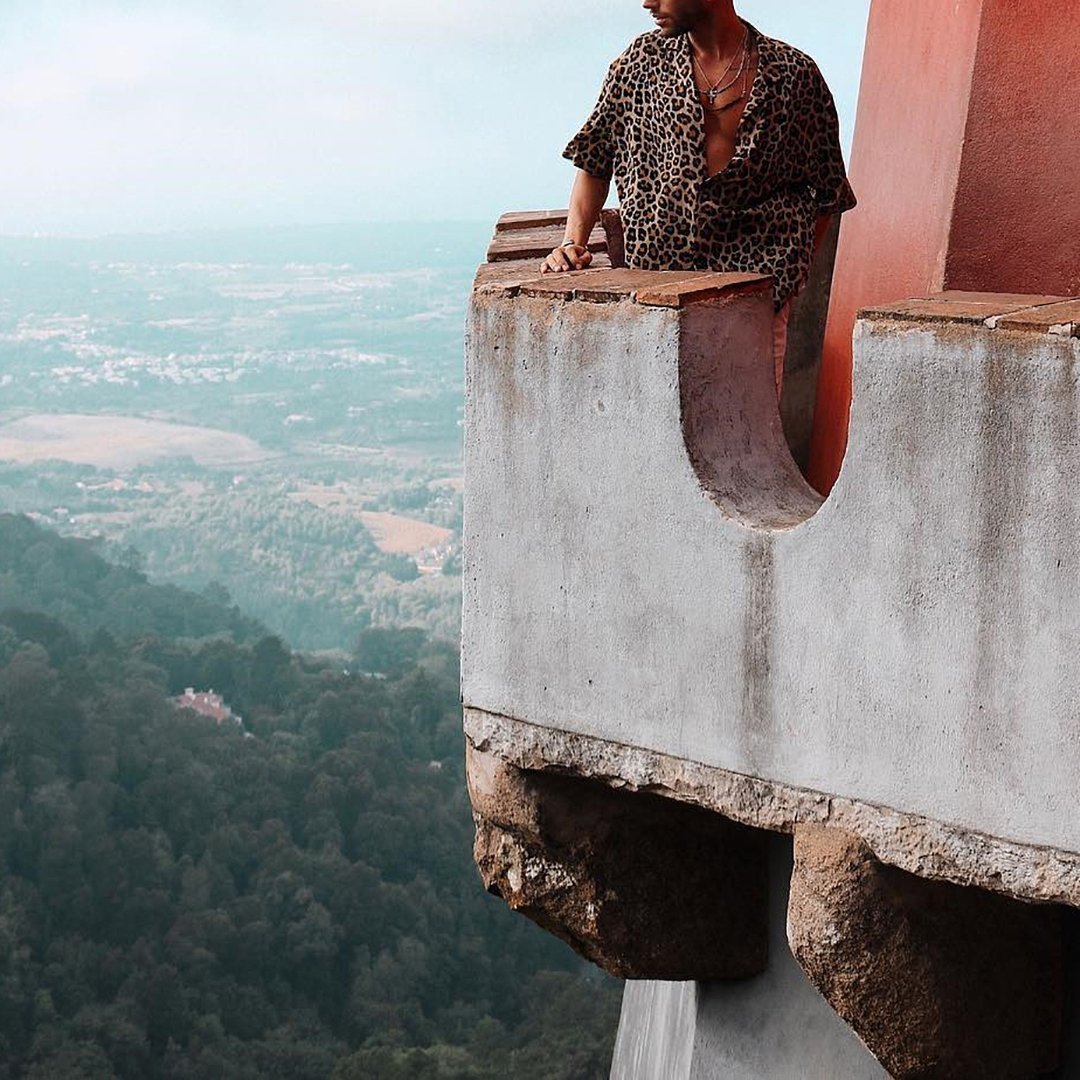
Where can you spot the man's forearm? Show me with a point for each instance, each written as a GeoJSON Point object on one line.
{"type": "Point", "coordinates": [586, 201]}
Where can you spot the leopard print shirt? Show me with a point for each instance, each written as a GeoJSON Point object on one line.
{"type": "Point", "coordinates": [758, 214]}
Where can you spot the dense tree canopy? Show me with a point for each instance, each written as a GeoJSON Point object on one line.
{"type": "Point", "coordinates": [288, 897]}
{"type": "Point", "coordinates": [40, 571]}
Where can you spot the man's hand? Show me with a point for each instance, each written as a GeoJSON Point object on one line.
{"type": "Point", "coordinates": [566, 258]}
{"type": "Point", "coordinates": [586, 201]}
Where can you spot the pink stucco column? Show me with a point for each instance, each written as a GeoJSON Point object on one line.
{"type": "Point", "coordinates": [966, 162]}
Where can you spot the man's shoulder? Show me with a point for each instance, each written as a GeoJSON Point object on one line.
{"type": "Point", "coordinates": [651, 43]}
{"type": "Point", "coordinates": [787, 58]}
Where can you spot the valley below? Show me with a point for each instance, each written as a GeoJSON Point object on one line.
{"type": "Point", "coordinates": [272, 415]}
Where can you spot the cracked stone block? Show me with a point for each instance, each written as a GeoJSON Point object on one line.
{"type": "Point", "coordinates": [642, 886]}
{"type": "Point", "coordinates": [938, 980]}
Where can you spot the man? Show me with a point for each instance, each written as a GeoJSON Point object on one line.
{"type": "Point", "coordinates": [724, 147]}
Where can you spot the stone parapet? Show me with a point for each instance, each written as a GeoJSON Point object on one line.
{"type": "Point", "coordinates": [656, 600]}
{"type": "Point", "coordinates": [645, 565]}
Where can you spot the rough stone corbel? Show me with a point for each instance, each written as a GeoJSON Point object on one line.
{"type": "Point", "coordinates": [937, 980]}
{"type": "Point", "coordinates": [642, 886]}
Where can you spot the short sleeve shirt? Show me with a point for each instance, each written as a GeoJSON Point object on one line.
{"type": "Point", "coordinates": [759, 213]}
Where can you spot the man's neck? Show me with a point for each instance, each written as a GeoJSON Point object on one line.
{"type": "Point", "coordinates": [720, 34]}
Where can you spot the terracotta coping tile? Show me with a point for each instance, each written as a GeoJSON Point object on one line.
{"type": "Point", "coordinates": [697, 288]}
{"type": "Point", "coordinates": [941, 311]}
{"type": "Point", "coordinates": [603, 285]}
{"type": "Point", "coordinates": [1063, 317]}
{"type": "Point", "coordinates": [530, 219]}
{"type": "Point", "coordinates": [1019, 299]}
{"type": "Point", "coordinates": [627, 284]}
{"type": "Point", "coordinates": [504, 274]}
{"type": "Point", "coordinates": [1009, 310]}
{"type": "Point", "coordinates": [600, 286]}
{"type": "Point", "coordinates": [508, 277]}
{"type": "Point", "coordinates": [535, 243]}
{"type": "Point", "coordinates": [553, 286]}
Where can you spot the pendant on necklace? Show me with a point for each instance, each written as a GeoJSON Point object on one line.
{"type": "Point", "coordinates": [727, 105]}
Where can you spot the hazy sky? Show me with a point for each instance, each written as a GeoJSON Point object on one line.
{"type": "Point", "coordinates": [131, 115]}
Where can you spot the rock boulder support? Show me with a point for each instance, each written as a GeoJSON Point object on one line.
{"type": "Point", "coordinates": [644, 887]}
{"type": "Point", "coordinates": [937, 980]}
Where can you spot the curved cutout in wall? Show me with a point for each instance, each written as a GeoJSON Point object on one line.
{"type": "Point", "coordinates": [730, 417]}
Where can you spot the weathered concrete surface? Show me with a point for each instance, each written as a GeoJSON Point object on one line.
{"type": "Point", "coordinates": [937, 980]}
{"type": "Point", "coordinates": [642, 886]}
{"type": "Point", "coordinates": [644, 564]}
{"type": "Point", "coordinates": [774, 1026]}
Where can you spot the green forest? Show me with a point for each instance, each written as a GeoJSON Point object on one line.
{"type": "Point", "coordinates": [291, 896]}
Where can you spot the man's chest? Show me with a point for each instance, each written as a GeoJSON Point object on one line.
{"type": "Point", "coordinates": [672, 130]}
{"type": "Point", "coordinates": [721, 118]}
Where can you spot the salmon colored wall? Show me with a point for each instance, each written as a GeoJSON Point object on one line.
{"type": "Point", "coordinates": [967, 167]}
{"type": "Point", "coordinates": [1016, 224]}
{"type": "Point", "coordinates": [905, 165]}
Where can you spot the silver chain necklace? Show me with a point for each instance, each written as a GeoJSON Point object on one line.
{"type": "Point", "coordinates": [715, 89]}
{"type": "Point", "coordinates": [715, 109]}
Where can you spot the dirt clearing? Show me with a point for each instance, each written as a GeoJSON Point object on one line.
{"type": "Point", "coordinates": [396, 535]}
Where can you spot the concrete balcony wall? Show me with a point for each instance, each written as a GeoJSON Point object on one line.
{"type": "Point", "coordinates": [657, 602]}
{"type": "Point", "coordinates": [647, 572]}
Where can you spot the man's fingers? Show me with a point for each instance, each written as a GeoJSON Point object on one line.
{"type": "Point", "coordinates": [557, 262]}
{"type": "Point", "coordinates": [566, 258]}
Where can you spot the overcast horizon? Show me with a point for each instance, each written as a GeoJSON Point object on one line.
{"type": "Point", "coordinates": [160, 116]}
